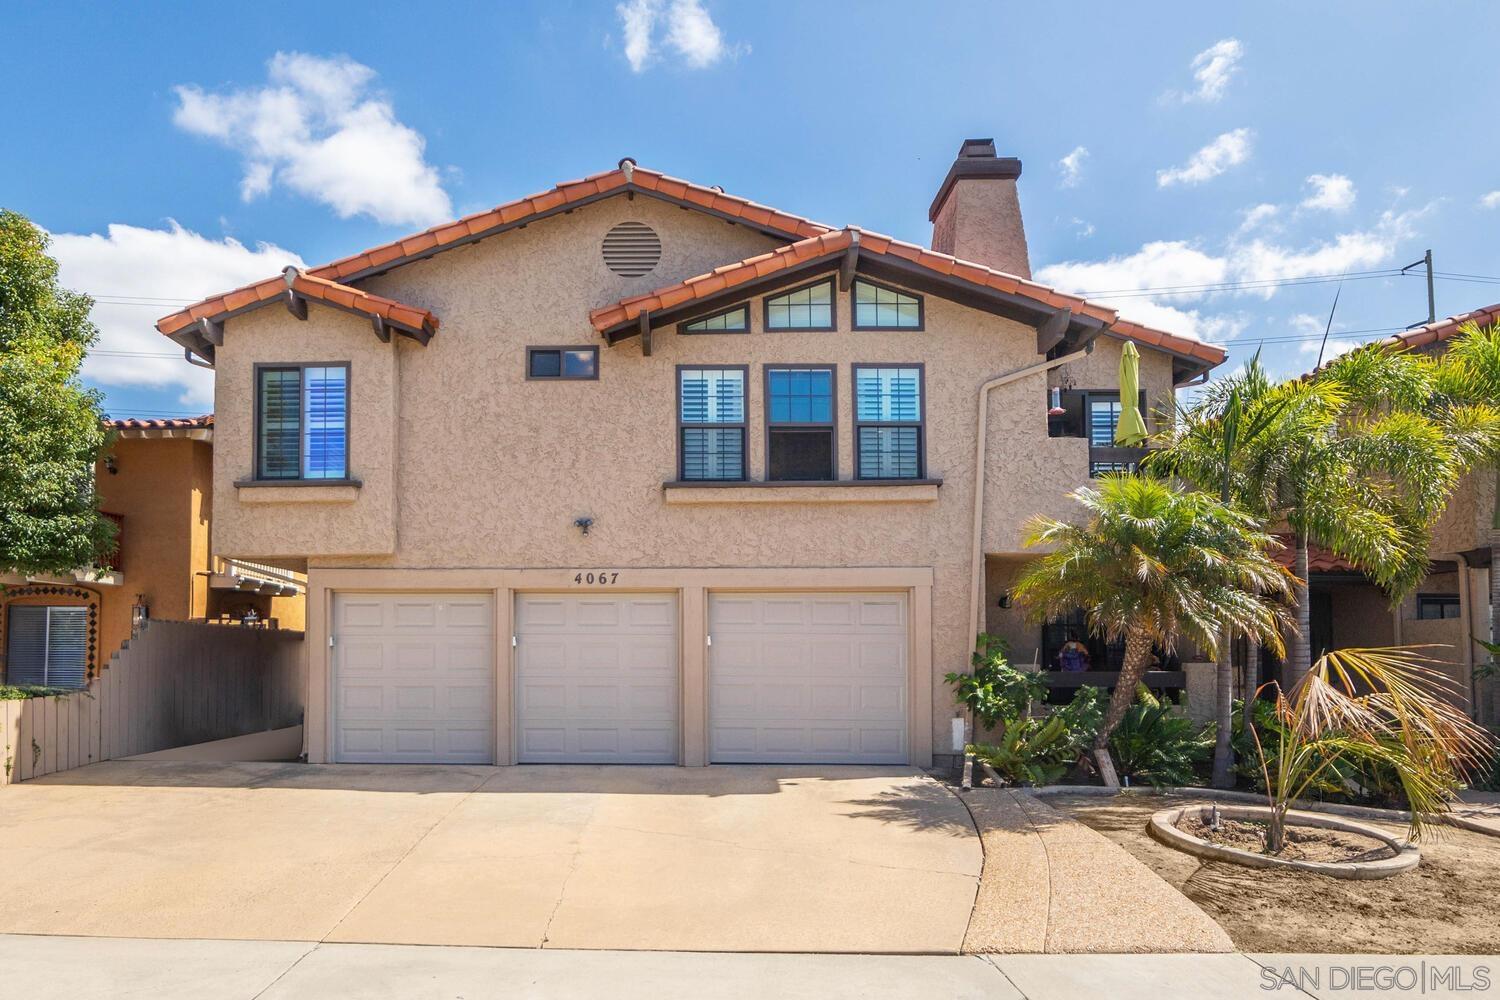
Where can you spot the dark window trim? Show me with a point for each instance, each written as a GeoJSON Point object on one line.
{"type": "Point", "coordinates": [743, 425]}
{"type": "Point", "coordinates": [1441, 599]}
{"type": "Point", "coordinates": [921, 423]}
{"type": "Point", "coordinates": [560, 377]}
{"type": "Point", "coordinates": [302, 366]}
{"type": "Point", "coordinates": [854, 307]}
{"type": "Point", "coordinates": [833, 308]}
{"type": "Point", "coordinates": [682, 328]}
{"type": "Point", "coordinates": [832, 426]}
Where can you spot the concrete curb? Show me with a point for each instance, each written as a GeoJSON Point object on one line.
{"type": "Point", "coordinates": [1163, 827]}
{"type": "Point", "coordinates": [1394, 816]}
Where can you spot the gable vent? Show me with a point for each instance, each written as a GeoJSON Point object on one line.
{"type": "Point", "coordinates": [631, 249]}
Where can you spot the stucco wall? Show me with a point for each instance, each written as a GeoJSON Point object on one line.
{"type": "Point", "coordinates": [1466, 524]}
{"type": "Point", "coordinates": [494, 469]}
{"type": "Point", "coordinates": [293, 521]}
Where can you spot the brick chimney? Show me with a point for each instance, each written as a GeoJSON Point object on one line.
{"type": "Point", "coordinates": [977, 212]}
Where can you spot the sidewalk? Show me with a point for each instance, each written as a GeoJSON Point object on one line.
{"type": "Point", "coordinates": [54, 968]}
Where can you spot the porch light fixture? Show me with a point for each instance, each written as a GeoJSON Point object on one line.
{"type": "Point", "coordinates": [583, 524]}
{"type": "Point", "coordinates": [140, 611]}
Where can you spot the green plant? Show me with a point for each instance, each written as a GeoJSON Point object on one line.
{"type": "Point", "coordinates": [1156, 745]}
{"type": "Point", "coordinates": [51, 428]}
{"type": "Point", "coordinates": [20, 692]}
{"type": "Point", "coordinates": [993, 690]}
{"type": "Point", "coordinates": [1031, 751]}
{"type": "Point", "coordinates": [1151, 564]}
{"type": "Point", "coordinates": [1368, 709]}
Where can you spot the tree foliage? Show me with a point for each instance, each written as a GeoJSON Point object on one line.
{"type": "Point", "coordinates": [1154, 564]}
{"type": "Point", "coordinates": [51, 426]}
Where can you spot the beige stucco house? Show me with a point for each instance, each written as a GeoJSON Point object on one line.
{"type": "Point", "coordinates": [635, 470]}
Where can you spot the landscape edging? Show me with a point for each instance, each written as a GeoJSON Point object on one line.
{"type": "Point", "coordinates": [1163, 827]}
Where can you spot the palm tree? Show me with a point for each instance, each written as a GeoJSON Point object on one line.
{"type": "Point", "coordinates": [1382, 708]}
{"type": "Point", "coordinates": [1154, 564]}
{"type": "Point", "coordinates": [1359, 458]}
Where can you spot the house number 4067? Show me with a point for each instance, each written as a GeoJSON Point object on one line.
{"type": "Point", "coordinates": [603, 577]}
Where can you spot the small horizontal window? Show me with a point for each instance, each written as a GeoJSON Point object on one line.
{"type": "Point", "coordinates": [736, 320]}
{"type": "Point", "coordinates": [877, 307]}
{"type": "Point", "coordinates": [562, 362]}
{"type": "Point", "coordinates": [807, 308]}
{"type": "Point", "coordinates": [1434, 606]}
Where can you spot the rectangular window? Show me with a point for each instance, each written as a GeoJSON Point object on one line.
{"type": "Point", "coordinates": [562, 363]}
{"type": "Point", "coordinates": [877, 307]}
{"type": "Point", "coordinates": [47, 646]}
{"type": "Point", "coordinates": [1433, 606]}
{"type": "Point", "coordinates": [800, 423]}
{"type": "Point", "coordinates": [1104, 417]}
{"type": "Point", "coordinates": [302, 422]}
{"type": "Point", "coordinates": [736, 320]}
{"type": "Point", "coordinates": [807, 308]}
{"type": "Point", "coordinates": [888, 422]}
{"type": "Point", "coordinates": [711, 423]}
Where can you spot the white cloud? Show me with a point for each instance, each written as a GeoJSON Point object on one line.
{"type": "Point", "coordinates": [319, 129]}
{"type": "Point", "coordinates": [689, 31]}
{"type": "Point", "coordinates": [1148, 285]}
{"type": "Point", "coordinates": [1072, 166]}
{"type": "Point", "coordinates": [1491, 200]}
{"type": "Point", "coordinates": [1330, 193]}
{"type": "Point", "coordinates": [1212, 69]}
{"type": "Point", "coordinates": [165, 267]}
{"type": "Point", "coordinates": [636, 19]}
{"type": "Point", "coordinates": [1228, 150]}
{"type": "Point", "coordinates": [1257, 216]}
{"type": "Point", "coordinates": [1085, 228]}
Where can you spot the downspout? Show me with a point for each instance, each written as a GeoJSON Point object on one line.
{"type": "Point", "coordinates": [976, 538]}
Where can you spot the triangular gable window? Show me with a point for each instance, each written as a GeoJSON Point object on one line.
{"type": "Point", "coordinates": [736, 320]}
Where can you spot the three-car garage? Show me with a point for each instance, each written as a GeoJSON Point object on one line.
{"type": "Point", "coordinates": [602, 676]}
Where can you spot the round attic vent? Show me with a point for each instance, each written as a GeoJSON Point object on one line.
{"type": "Point", "coordinates": [631, 249]}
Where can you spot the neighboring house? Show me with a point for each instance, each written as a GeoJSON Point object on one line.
{"type": "Point", "coordinates": [1453, 606]}
{"type": "Point", "coordinates": [156, 484]}
{"type": "Point", "coordinates": [679, 477]}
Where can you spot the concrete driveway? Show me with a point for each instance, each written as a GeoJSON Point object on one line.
{"type": "Point", "coordinates": [838, 859]}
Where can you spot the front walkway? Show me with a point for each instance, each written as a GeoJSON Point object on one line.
{"type": "Point", "coordinates": [833, 859]}
{"type": "Point", "coordinates": [1052, 885]}
{"type": "Point", "coordinates": [62, 968]}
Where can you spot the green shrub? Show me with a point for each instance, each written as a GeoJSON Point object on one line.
{"type": "Point", "coordinates": [1155, 745]}
{"type": "Point", "coordinates": [994, 690]}
{"type": "Point", "coordinates": [1030, 751]}
{"type": "Point", "coordinates": [20, 692]}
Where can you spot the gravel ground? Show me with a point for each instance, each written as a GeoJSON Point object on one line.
{"type": "Point", "coordinates": [1449, 904]}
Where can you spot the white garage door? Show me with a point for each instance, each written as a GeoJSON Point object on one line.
{"type": "Point", "coordinates": [596, 678]}
{"type": "Point", "coordinates": [807, 678]}
{"type": "Point", "coordinates": [414, 678]}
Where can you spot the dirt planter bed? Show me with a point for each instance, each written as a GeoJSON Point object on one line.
{"type": "Point", "coordinates": [1163, 827]}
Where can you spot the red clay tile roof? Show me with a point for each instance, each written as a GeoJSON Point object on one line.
{"type": "Point", "coordinates": [308, 286]}
{"type": "Point", "coordinates": [1445, 329]}
{"type": "Point", "coordinates": [1319, 559]}
{"type": "Point", "coordinates": [508, 215]}
{"type": "Point", "coordinates": [561, 196]}
{"type": "Point", "coordinates": [830, 243]}
{"type": "Point", "coordinates": [177, 423]}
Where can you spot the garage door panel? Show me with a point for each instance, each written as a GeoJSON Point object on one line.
{"type": "Point", "coordinates": [414, 678]}
{"type": "Point", "coordinates": [808, 678]}
{"type": "Point", "coordinates": [597, 678]}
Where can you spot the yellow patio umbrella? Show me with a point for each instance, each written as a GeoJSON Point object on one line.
{"type": "Point", "coordinates": [1130, 432]}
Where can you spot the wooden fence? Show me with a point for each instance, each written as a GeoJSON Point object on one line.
{"type": "Point", "coordinates": [174, 684]}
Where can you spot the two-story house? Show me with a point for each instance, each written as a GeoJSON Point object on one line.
{"type": "Point", "coordinates": [634, 470]}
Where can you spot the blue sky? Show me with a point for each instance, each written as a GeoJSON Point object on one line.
{"type": "Point", "coordinates": [1181, 145]}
